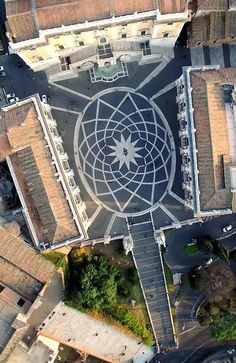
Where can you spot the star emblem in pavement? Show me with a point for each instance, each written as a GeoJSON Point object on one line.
{"type": "Point", "coordinates": [125, 152]}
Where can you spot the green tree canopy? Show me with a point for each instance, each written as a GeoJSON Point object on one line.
{"type": "Point", "coordinates": [223, 326]}
{"type": "Point", "coordinates": [98, 283]}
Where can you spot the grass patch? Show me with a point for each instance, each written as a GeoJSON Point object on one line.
{"type": "Point", "coordinates": [191, 249]}
{"type": "Point", "coordinates": [55, 257]}
{"type": "Point", "coordinates": [167, 271]}
{"type": "Point", "coordinates": [168, 275]}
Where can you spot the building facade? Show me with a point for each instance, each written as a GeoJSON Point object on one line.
{"type": "Point", "coordinates": [207, 116]}
{"type": "Point", "coordinates": [73, 36]}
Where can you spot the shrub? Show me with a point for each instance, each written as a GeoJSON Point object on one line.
{"type": "Point", "coordinates": [205, 245]}
{"type": "Point", "coordinates": [128, 319]}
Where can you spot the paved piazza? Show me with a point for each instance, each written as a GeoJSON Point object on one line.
{"type": "Point", "coordinates": [123, 145]}
{"type": "Point", "coordinates": [126, 153]}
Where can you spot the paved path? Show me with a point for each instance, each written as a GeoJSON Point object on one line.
{"type": "Point", "coordinates": [224, 56]}
{"type": "Point", "coordinates": [149, 265]}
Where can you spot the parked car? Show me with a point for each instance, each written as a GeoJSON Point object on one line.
{"type": "Point", "coordinates": [11, 95]}
{"type": "Point", "coordinates": [1, 68]}
{"type": "Point", "coordinates": [44, 99]}
{"type": "Point", "coordinates": [44, 245]}
{"type": "Point", "coordinates": [227, 228]}
{"type": "Point", "coordinates": [13, 100]}
{"type": "Point", "coordinates": [209, 261]}
{"type": "Point", "coordinates": [2, 74]}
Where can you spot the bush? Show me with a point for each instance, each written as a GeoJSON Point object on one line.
{"type": "Point", "coordinates": [220, 251]}
{"type": "Point", "coordinates": [223, 326]}
{"type": "Point", "coordinates": [232, 254]}
{"type": "Point", "coordinates": [126, 318]}
{"type": "Point", "coordinates": [214, 310]}
{"type": "Point", "coordinates": [205, 245]}
{"type": "Point", "coordinates": [205, 320]}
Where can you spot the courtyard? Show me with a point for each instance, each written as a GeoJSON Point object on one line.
{"type": "Point", "coordinates": [123, 145]}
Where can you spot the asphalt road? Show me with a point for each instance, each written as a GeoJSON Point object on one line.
{"type": "Point", "coordinates": [178, 260]}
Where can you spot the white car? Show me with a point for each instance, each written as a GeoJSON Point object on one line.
{"type": "Point", "coordinates": [44, 99]}
{"type": "Point", "coordinates": [13, 100]}
{"type": "Point", "coordinates": [227, 228]}
{"type": "Point", "coordinates": [208, 262]}
{"type": "Point", "coordinates": [1, 68]}
{"type": "Point", "coordinates": [11, 95]}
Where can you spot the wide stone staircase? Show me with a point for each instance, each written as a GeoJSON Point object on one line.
{"type": "Point", "coordinates": [148, 260]}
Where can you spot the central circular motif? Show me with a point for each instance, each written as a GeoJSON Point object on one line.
{"type": "Point", "coordinates": [125, 148]}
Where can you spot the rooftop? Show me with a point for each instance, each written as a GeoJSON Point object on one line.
{"type": "Point", "coordinates": [212, 138]}
{"type": "Point", "coordinates": [23, 141]}
{"type": "Point", "coordinates": [172, 6]}
{"type": "Point", "coordinates": [218, 25]}
{"type": "Point", "coordinates": [212, 4]}
{"type": "Point", "coordinates": [18, 254]}
{"type": "Point", "coordinates": [23, 21]}
{"type": "Point", "coordinates": [82, 332]}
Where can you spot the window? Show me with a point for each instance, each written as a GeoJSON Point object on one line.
{"type": "Point", "coordinates": [214, 41]}
{"type": "Point", "coordinates": [20, 302]}
{"type": "Point", "coordinates": [65, 63]}
{"type": "Point", "coordinates": [143, 32]}
{"type": "Point", "coordinates": [81, 43]}
{"type": "Point", "coordinates": [199, 43]}
{"type": "Point", "coordinates": [103, 40]}
{"type": "Point", "coordinates": [123, 35]}
{"type": "Point", "coordinates": [165, 35]}
{"type": "Point", "coordinates": [61, 47]}
{"type": "Point", "coordinates": [169, 23]}
{"type": "Point", "coordinates": [39, 58]}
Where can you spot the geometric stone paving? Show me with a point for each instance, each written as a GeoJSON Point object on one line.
{"type": "Point", "coordinates": [126, 152]}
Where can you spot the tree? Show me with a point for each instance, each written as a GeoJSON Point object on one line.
{"type": "Point", "coordinates": [223, 326]}
{"type": "Point", "coordinates": [205, 245]}
{"type": "Point", "coordinates": [220, 251]}
{"type": "Point", "coordinates": [217, 281]}
{"type": "Point", "coordinates": [98, 283]}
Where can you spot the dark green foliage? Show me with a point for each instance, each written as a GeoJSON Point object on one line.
{"type": "Point", "coordinates": [205, 245]}
{"type": "Point", "coordinates": [126, 318]}
{"type": "Point", "coordinates": [93, 283]}
{"type": "Point", "coordinates": [223, 326]}
{"type": "Point", "coordinates": [97, 283]}
{"type": "Point", "coordinates": [232, 254]}
{"type": "Point", "coordinates": [220, 251]}
{"type": "Point", "coordinates": [205, 320]}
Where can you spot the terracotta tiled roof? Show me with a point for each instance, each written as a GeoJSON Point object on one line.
{"type": "Point", "coordinates": [200, 28]}
{"type": "Point", "coordinates": [31, 161]}
{"type": "Point", "coordinates": [211, 136]}
{"type": "Point", "coordinates": [172, 6]}
{"type": "Point", "coordinates": [81, 10]}
{"type": "Point", "coordinates": [217, 25]}
{"type": "Point", "coordinates": [22, 26]}
{"type": "Point", "coordinates": [18, 253]}
{"type": "Point", "coordinates": [53, 13]}
{"type": "Point", "coordinates": [212, 4]}
{"type": "Point", "coordinates": [19, 281]}
{"type": "Point", "coordinates": [17, 6]}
